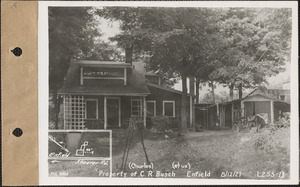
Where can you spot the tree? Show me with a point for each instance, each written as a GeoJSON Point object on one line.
{"type": "Point", "coordinates": [172, 38]}
{"type": "Point", "coordinates": [72, 35]}
{"type": "Point", "coordinates": [219, 98]}
{"type": "Point", "coordinates": [252, 51]}
{"type": "Point", "coordinates": [181, 50]}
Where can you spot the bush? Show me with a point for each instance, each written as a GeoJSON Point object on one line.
{"type": "Point", "coordinates": [161, 123]}
{"type": "Point", "coordinates": [174, 123]}
{"type": "Point", "coordinates": [264, 143]}
{"type": "Point", "coordinates": [282, 122]}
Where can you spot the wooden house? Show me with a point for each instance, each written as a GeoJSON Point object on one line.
{"type": "Point", "coordinates": [104, 95]}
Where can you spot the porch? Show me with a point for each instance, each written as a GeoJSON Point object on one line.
{"type": "Point", "coordinates": [102, 112]}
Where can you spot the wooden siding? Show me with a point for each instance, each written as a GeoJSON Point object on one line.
{"type": "Point", "coordinates": [160, 95]}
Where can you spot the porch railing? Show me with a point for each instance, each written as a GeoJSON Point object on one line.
{"type": "Point", "coordinates": [94, 123]}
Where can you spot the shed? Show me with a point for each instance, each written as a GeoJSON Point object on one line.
{"type": "Point", "coordinates": [258, 103]}
{"type": "Point", "coordinates": [224, 115]}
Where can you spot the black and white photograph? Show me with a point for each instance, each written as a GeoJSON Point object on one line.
{"type": "Point", "coordinates": [172, 92]}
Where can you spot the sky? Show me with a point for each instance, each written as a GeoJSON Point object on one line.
{"type": "Point", "coordinates": [110, 29]}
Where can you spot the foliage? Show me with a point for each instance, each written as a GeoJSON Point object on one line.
{"type": "Point", "coordinates": [252, 51]}
{"type": "Point", "coordinates": [219, 98]}
{"type": "Point", "coordinates": [269, 144]}
{"type": "Point", "coordinates": [161, 123]}
{"type": "Point", "coordinates": [228, 46]}
{"type": "Point", "coordinates": [263, 143]}
{"type": "Point", "coordinates": [73, 34]}
{"type": "Point", "coordinates": [171, 37]}
{"type": "Point", "coordinates": [282, 122]}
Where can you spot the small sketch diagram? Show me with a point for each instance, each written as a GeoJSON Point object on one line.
{"type": "Point", "coordinates": [83, 149]}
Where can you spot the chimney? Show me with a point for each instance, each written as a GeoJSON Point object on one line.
{"type": "Point", "coordinates": [128, 54]}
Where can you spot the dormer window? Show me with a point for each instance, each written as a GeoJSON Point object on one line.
{"type": "Point", "coordinates": [92, 74]}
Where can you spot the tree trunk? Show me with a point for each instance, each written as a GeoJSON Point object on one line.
{"type": "Point", "coordinates": [197, 90]}
{"type": "Point", "coordinates": [128, 54]}
{"type": "Point", "coordinates": [183, 124]}
{"type": "Point", "coordinates": [240, 91]}
{"type": "Point", "coordinates": [192, 86]}
{"type": "Point", "coordinates": [231, 86]}
{"type": "Point", "coordinates": [213, 92]}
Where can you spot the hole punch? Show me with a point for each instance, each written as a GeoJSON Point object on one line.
{"type": "Point", "coordinates": [17, 132]}
{"type": "Point", "coordinates": [17, 51]}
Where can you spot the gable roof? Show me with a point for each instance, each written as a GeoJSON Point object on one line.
{"type": "Point", "coordinates": [166, 88]}
{"type": "Point", "coordinates": [94, 63]}
{"type": "Point", "coordinates": [136, 82]}
{"type": "Point", "coordinates": [267, 97]}
{"type": "Point", "coordinates": [255, 95]}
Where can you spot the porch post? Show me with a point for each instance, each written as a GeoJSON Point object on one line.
{"type": "Point", "coordinates": [232, 112]}
{"type": "Point", "coordinates": [218, 115]}
{"type": "Point", "coordinates": [125, 76]}
{"type": "Point", "coordinates": [120, 112]}
{"type": "Point", "coordinates": [145, 111]}
{"type": "Point", "coordinates": [64, 111]}
{"type": "Point", "coordinates": [243, 109]}
{"type": "Point", "coordinates": [191, 111]}
{"type": "Point", "coordinates": [272, 111]}
{"type": "Point", "coordinates": [105, 113]}
{"type": "Point", "coordinates": [81, 76]}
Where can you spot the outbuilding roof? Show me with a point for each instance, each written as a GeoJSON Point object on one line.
{"type": "Point", "coordinates": [136, 82]}
{"type": "Point", "coordinates": [251, 96]}
{"type": "Point", "coordinates": [267, 97]}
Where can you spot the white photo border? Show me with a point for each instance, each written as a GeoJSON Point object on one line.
{"type": "Point", "coordinates": [43, 88]}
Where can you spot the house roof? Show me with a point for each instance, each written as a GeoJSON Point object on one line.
{"type": "Point", "coordinates": [94, 63]}
{"type": "Point", "coordinates": [166, 88]}
{"type": "Point", "coordinates": [232, 101]}
{"type": "Point", "coordinates": [277, 100]}
{"type": "Point", "coordinates": [136, 82]}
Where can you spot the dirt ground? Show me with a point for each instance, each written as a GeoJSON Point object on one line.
{"type": "Point", "coordinates": [224, 154]}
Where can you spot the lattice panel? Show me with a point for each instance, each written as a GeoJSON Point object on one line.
{"type": "Point", "coordinates": [74, 112]}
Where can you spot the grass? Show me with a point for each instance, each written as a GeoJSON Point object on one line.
{"type": "Point", "coordinates": [214, 152]}
{"type": "Point", "coordinates": [211, 151]}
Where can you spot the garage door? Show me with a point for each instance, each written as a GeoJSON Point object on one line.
{"type": "Point", "coordinates": [256, 107]}
{"type": "Point", "coordinates": [263, 107]}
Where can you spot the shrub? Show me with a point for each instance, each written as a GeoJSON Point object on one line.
{"type": "Point", "coordinates": [282, 122]}
{"type": "Point", "coordinates": [161, 123]}
{"type": "Point", "coordinates": [265, 143]}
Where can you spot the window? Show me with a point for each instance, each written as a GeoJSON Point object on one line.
{"type": "Point", "coordinates": [91, 108]}
{"type": "Point", "coordinates": [96, 75]}
{"type": "Point", "coordinates": [169, 108]}
{"type": "Point", "coordinates": [136, 107]}
{"type": "Point", "coordinates": [151, 108]}
{"type": "Point", "coordinates": [282, 97]}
